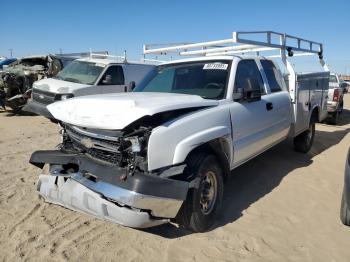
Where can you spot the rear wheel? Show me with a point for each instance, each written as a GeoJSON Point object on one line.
{"type": "Point", "coordinates": [303, 142]}
{"type": "Point", "coordinates": [344, 211]}
{"type": "Point", "coordinates": [203, 204]}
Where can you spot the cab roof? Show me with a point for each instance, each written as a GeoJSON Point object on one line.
{"type": "Point", "coordinates": [108, 61]}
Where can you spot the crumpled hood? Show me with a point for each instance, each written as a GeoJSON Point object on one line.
{"type": "Point", "coordinates": [116, 111]}
{"type": "Point", "coordinates": [57, 86]}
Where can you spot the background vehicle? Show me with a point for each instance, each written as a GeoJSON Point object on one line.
{"type": "Point", "coordinates": [97, 74]}
{"type": "Point", "coordinates": [7, 62]}
{"type": "Point", "coordinates": [16, 80]}
{"type": "Point", "coordinates": [163, 152]}
{"type": "Point", "coordinates": [335, 101]}
{"type": "Point", "coordinates": [346, 85]}
{"type": "Point", "coordinates": [345, 201]}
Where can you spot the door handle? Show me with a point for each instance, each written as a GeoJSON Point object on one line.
{"type": "Point", "coordinates": [269, 106]}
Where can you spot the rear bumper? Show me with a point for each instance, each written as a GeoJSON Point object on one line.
{"type": "Point", "coordinates": [37, 108]}
{"type": "Point", "coordinates": [71, 194]}
{"type": "Point", "coordinates": [149, 193]}
{"type": "Point", "coordinates": [332, 106]}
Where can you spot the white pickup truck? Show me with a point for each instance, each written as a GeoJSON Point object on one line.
{"type": "Point", "coordinates": [163, 152]}
{"type": "Point", "coordinates": [335, 102]}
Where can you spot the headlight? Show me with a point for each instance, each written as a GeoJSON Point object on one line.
{"type": "Point", "coordinates": [135, 143]}
{"type": "Point", "coordinates": [63, 96]}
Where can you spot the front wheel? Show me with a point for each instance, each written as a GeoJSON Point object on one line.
{"type": "Point", "coordinates": [303, 142]}
{"type": "Point", "coordinates": [203, 204]}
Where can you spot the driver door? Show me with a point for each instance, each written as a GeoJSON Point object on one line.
{"type": "Point", "coordinates": [112, 80]}
{"type": "Point", "coordinates": [250, 114]}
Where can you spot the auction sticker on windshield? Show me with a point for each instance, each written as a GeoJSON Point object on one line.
{"type": "Point", "coordinates": [216, 66]}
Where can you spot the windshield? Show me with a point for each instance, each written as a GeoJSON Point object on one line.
{"type": "Point", "coordinates": [81, 72]}
{"type": "Point", "coordinates": [333, 79]}
{"type": "Point", "coordinates": [207, 79]}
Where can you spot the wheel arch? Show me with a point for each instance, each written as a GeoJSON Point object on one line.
{"type": "Point", "coordinates": [221, 148]}
{"type": "Point", "coordinates": [315, 114]}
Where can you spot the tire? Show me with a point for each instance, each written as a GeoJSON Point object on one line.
{"type": "Point", "coordinates": [303, 142]}
{"type": "Point", "coordinates": [344, 211]}
{"type": "Point", "coordinates": [202, 206]}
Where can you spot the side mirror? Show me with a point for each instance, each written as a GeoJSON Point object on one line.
{"type": "Point", "coordinates": [249, 92]}
{"type": "Point", "coordinates": [238, 94]}
{"type": "Point", "coordinates": [253, 95]}
{"type": "Point", "coordinates": [132, 85]}
{"type": "Point", "coordinates": [107, 80]}
{"type": "Point", "coordinates": [252, 90]}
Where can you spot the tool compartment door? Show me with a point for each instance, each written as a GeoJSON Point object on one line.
{"type": "Point", "coordinates": [310, 92]}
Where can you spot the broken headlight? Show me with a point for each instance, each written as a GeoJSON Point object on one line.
{"type": "Point", "coordinates": [135, 143]}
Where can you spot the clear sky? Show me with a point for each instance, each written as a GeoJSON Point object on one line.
{"type": "Point", "coordinates": [37, 27]}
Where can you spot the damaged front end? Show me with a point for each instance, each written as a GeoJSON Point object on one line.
{"type": "Point", "coordinates": [16, 81]}
{"type": "Point", "coordinates": [15, 88]}
{"type": "Point", "coordinates": [105, 173]}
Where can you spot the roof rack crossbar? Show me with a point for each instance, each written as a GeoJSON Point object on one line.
{"type": "Point", "coordinates": [241, 42]}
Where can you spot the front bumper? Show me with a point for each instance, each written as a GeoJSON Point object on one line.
{"type": "Point", "coordinates": [38, 109]}
{"type": "Point", "coordinates": [156, 197]}
{"type": "Point", "coordinates": [71, 194]}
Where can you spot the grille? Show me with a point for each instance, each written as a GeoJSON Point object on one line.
{"type": "Point", "coordinates": [100, 149]}
{"type": "Point", "coordinates": [43, 97]}
{"type": "Point", "coordinates": [106, 156]}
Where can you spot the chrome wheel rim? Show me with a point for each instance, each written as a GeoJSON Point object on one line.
{"type": "Point", "coordinates": [208, 193]}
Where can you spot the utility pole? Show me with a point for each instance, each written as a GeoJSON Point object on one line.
{"type": "Point", "coordinates": [10, 52]}
{"type": "Point", "coordinates": [61, 51]}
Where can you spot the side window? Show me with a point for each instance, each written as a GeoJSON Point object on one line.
{"type": "Point", "coordinates": [248, 77]}
{"type": "Point", "coordinates": [116, 75]}
{"type": "Point", "coordinates": [273, 76]}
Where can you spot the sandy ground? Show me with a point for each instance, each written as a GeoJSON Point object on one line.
{"type": "Point", "coordinates": [281, 206]}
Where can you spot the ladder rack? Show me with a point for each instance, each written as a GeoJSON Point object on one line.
{"type": "Point", "coordinates": [241, 43]}
{"type": "Point", "coordinates": [123, 59]}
